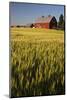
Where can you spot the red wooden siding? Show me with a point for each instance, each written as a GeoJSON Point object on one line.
{"type": "Point", "coordinates": [41, 25]}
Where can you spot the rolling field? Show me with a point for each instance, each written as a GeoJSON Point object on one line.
{"type": "Point", "coordinates": [37, 62]}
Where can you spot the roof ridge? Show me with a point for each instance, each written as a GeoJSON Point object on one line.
{"type": "Point", "coordinates": [44, 19]}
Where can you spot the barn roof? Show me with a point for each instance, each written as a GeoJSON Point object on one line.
{"type": "Point", "coordinates": [44, 19]}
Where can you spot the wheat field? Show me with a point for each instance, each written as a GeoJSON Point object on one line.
{"type": "Point", "coordinates": [37, 62]}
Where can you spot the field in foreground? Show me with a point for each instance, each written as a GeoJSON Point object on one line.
{"type": "Point", "coordinates": [37, 62]}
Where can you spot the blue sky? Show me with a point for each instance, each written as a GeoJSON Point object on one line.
{"type": "Point", "coordinates": [25, 13]}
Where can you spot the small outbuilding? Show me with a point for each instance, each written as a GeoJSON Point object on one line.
{"type": "Point", "coordinates": [48, 22]}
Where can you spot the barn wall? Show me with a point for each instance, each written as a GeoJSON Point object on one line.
{"type": "Point", "coordinates": [53, 23]}
{"type": "Point", "coordinates": [46, 25]}
{"type": "Point", "coordinates": [42, 25]}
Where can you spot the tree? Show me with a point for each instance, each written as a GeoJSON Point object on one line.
{"type": "Point", "coordinates": [31, 25]}
{"type": "Point", "coordinates": [61, 21]}
{"type": "Point", "coordinates": [18, 26]}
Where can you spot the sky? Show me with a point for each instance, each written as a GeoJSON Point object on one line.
{"type": "Point", "coordinates": [26, 13]}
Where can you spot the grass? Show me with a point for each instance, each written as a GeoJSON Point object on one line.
{"type": "Point", "coordinates": [37, 62]}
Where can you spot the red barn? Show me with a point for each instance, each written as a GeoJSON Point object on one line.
{"type": "Point", "coordinates": [46, 22]}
